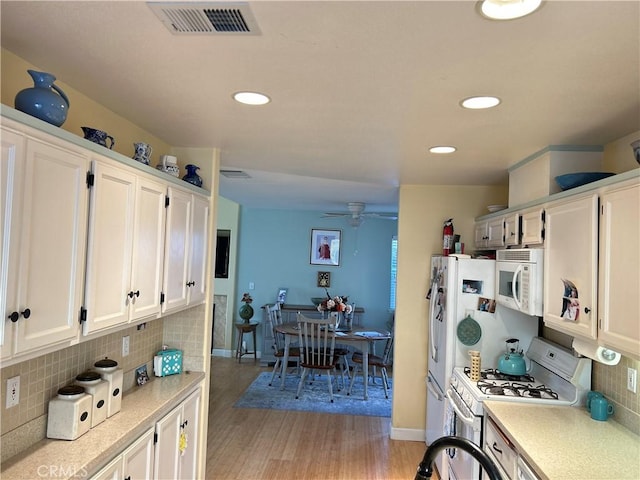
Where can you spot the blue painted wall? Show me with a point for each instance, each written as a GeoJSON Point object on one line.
{"type": "Point", "coordinates": [273, 252]}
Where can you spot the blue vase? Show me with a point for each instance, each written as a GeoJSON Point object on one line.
{"type": "Point", "coordinates": [191, 176]}
{"type": "Point", "coordinates": [42, 101]}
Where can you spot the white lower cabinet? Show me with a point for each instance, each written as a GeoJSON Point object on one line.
{"type": "Point", "coordinates": [186, 245]}
{"type": "Point", "coordinates": [134, 463]}
{"type": "Point", "coordinates": [44, 201]}
{"type": "Point", "coordinates": [176, 450]}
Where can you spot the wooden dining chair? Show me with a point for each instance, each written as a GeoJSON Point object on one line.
{"type": "Point", "coordinates": [274, 315]}
{"type": "Point", "coordinates": [317, 344]}
{"type": "Point", "coordinates": [376, 363]}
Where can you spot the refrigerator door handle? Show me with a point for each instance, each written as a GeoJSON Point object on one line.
{"type": "Point", "coordinates": [435, 391]}
{"type": "Point", "coordinates": [432, 321]}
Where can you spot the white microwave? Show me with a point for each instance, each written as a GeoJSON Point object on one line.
{"type": "Point", "coordinates": [519, 279]}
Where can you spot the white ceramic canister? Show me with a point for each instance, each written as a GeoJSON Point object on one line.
{"type": "Point", "coordinates": [98, 388]}
{"type": "Point", "coordinates": [69, 413]}
{"type": "Point", "coordinates": [109, 371]}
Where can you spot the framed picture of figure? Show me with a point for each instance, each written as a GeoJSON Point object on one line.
{"type": "Point", "coordinates": [325, 247]}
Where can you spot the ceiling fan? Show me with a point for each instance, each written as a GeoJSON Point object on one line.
{"type": "Point", "coordinates": [356, 214]}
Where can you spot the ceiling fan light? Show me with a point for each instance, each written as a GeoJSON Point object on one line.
{"type": "Point", "coordinates": [251, 98]}
{"type": "Point", "coordinates": [508, 9]}
{"type": "Point", "coordinates": [442, 149]}
{"type": "Point", "coordinates": [480, 102]}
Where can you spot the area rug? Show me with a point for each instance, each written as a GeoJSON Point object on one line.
{"type": "Point", "coordinates": [315, 397]}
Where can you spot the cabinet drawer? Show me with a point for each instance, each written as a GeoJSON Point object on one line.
{"type": "Point", "coordinates": [501, 448]}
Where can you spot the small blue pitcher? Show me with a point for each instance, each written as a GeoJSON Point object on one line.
{"type": "Point", "coordinates": [98, 136]}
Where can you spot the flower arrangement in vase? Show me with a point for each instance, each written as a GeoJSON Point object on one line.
{"type": "Point", "coordinates": [246, 310]}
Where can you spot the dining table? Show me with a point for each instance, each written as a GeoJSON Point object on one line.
{"type": "Point", "coordinates": [361, 338]}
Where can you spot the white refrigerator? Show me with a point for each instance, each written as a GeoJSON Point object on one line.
{"type": "Point", "coordinates": [462, 288]}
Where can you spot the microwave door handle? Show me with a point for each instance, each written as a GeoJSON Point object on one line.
{"type": "Point", "coordinates": [517, 273]}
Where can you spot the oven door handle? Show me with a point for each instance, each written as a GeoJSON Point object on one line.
{"type": "Point", "coordinates": [466, 419]}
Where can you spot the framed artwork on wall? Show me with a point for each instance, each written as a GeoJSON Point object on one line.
{"type": "Point", "coordinates": [325, 247]}
{"type": "Point", "coordinates": [324, 279]}
{"type": "Point", "coordinates": [282, 295]}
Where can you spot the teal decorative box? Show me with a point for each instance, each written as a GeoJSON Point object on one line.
{"type": "Point", "coordinates": [167, 362]}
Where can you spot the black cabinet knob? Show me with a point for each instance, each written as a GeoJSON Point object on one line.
{"type": "Point", "coordinates": [26, 313]}
{"type": "Point", "coordinates": [587, 309]}
{"type": "Point", "coordinates": [137, 293]}
{"type": "Point", "coordinates": [14, 317]}
{"type": "Point", "coordinates": [130, 294]}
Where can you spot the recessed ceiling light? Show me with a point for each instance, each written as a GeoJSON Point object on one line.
{"type": "Point", "coordinates": [442, 149]}
{"type": "Point", "coordinates": [251, 98]}
{"type": "Point", "coordinates": [507, 9]}
{"type": "Point", "coordinates": [477, 103]}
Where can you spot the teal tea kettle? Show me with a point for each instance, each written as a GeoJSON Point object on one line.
{"type": "Point", "coordinates": [512, 362]}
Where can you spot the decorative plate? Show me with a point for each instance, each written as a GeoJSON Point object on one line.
{"type": "Point", "coordinates": [469, 331]}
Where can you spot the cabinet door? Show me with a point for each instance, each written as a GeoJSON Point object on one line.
{"type": "Point", "coordinates": [619, 302]}
{"type": "Point", "coordinates": [108, 278]}
{"type": "Point", "coordinates": [533, 227]}
{"type": "Point", "coordinates": [570, 266]}
{"type": "Point", "coordinates": [148, 249]}
{"type": "Point", "coordinates": [12, 154]}
{"type": "Point", "coordinates": [112, 471]}
{"type": "Point", "coordinates": [176, 252]}
{"type": "Point", "coordinates": [137, 459]}
{"type": "Point", "coordinates": [198, 252]}
{"type": "Point", "coordinates": [52, 237]}
{"type": "Point", "coordinates": [481, 234]}
{"type": "Point", "coordinates": [167, 461]}
{"type": "Point", "coordinates": [190, 432]}
{"type": "Point", "coordinates": [512, 229]}
{"type": "Point", "coordinates": [495, 232]}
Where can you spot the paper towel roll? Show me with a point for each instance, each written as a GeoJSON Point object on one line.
{"type": "Point", "coordinates": [595, 352]}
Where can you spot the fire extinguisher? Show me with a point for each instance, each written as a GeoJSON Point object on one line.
{"type": "Point", "coordinates": [447, 237]}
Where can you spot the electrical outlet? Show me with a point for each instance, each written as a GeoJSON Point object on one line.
{"type": "Point", "coordinates": [13, 391]}
{"type": "Point", "coordinates": [125, 345]}
{"type": "Point", "coordinates": [632, 376]}
{"type": "Point", "coordinates": [252, 286]}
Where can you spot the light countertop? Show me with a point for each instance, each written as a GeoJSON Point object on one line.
{"type": "Point", "coordinates": [564, 443]}
{"type": "Point", "coordinates": [81, 458]}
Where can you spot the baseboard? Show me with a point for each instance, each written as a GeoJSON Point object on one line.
{"type": "Point", "coordinates": [409, 434]}
{"type": "Point", "coordinates": [221, 352]}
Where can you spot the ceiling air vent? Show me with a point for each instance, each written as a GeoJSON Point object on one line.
{"type": "Point", "coordinates": [234, 174]}
{"type": "Point", "coordinates": [206, 18]}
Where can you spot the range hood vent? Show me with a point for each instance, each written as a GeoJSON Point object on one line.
{"type": "Point", "coordinates": [206, 18]}
{"type": "Point", "coordinates": [234, 174]}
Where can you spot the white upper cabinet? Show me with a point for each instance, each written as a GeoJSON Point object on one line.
{"type": "Point", "coordinates": [126, 240]}
{"type": "Point", "coordinates": [619, 280]}
{"type": "Point", "coordinates": [571, 265]}
{"type": "Point", "coordinates": [512, 230]}
{"type": "Point", "coordinates": [44, 205]}
{"type": "Point", "coordinates": [186, 246]}
{"type": "Point", "coordinates": [532, 226]}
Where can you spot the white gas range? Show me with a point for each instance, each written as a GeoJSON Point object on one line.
{"type": "Point", "coordinates": [555, 376]}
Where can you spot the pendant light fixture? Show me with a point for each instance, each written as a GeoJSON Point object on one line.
{"type": "Point", "coordinates": [507, 9]}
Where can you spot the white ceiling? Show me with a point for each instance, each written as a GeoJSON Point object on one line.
{"type": "Point", "coordinates": [359, 89]}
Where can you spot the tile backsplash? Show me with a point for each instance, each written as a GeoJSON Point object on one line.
{"type": "Point", "coordinates": [41, 377]}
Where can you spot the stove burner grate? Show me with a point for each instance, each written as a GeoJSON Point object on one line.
{"type": "Point", "coordinates": [493, 374]}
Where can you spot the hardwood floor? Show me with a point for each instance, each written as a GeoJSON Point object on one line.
{"type": "Point", "coordinates": [255, 444]}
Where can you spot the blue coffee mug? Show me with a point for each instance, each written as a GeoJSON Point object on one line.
{"type": "Point", "coordinates": [590, 396]}
{"type": "Point", "coordinates": [601, 409]}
